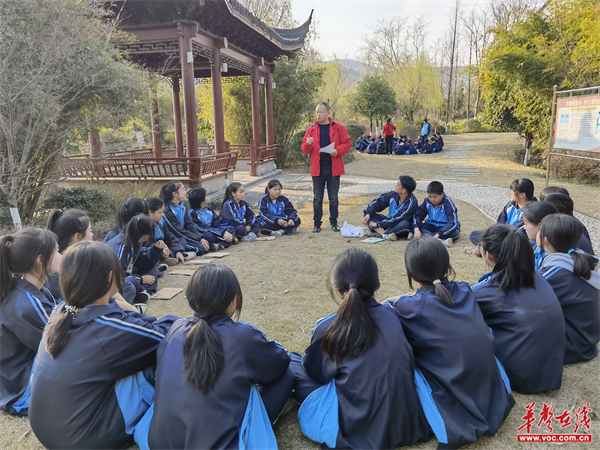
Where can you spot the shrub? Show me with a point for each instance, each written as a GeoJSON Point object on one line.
{"type": "Point", "coordinates": [412, 131]}
{"type": "Point", "coordinates": [354, 131]}
{"type": "Point", "coordinates": [295, 153]}
{"type": "Point", "coordinates": [96, 203]}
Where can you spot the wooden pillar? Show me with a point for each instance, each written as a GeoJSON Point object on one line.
{"type": "Point", "coordinates": [187, 30]}
{"type": "Point", "coordinates": [156, 144]}
{"type": "Point", "coordinates": [217, 91]}
{"type": "Point", "coordinates": [269, 107]}
{"type": "Point", "coordinates": [177, 118]}
{"type": "Point", "coordinates": [256, 104]}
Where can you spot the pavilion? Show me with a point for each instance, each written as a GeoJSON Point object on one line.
{"type": "Point", "coordinates": [187, 40]}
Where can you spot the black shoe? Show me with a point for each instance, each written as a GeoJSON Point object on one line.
{"type": "Point", "coordinates": [317, 229]}
{"type": "Point", "coordinates": [335, 228]}
{"type": "Point", "coordinates": [162, 267]}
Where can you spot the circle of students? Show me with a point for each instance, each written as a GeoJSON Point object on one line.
{"type": "Point", "coordinates": [91, 371]}
{"type": "Point", "coordinates": [387, 144]}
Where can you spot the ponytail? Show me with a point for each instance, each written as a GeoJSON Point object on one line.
{"type": "Point", "coordinates": [233, 187]}
{"type": "Point", "coordinates": [166, 192]}
{"type": "Point", "coordinates": [202, 348]}
{"type": "Point", "coordinates": [442, 292]}
{"type": "Point", "coordinates": [57, 332]}
{"type": "Point", "coordinates": [583, 264]}
{"type": "Point", "coordinates": [6, 276]}
{"type": "Point", "coordinates": [154, 204]}
{"type": "Point", "coordinates": [136, 228]}
{"type": "Point", "coordinates": [131, 208]}
{"type": "Point", "coordinates": [66, 225]}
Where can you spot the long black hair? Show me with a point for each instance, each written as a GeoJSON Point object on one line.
{"type": "Point", "coordinates": [154, 204]}
{"type": "Point", "coordinates": [84, 278]}
{"type": "Point", "coordinates": [426, 261]}
{"type": "Point", "coordinates": [18, 254]}
{"type": "Point", "coordinates": [564, 204]}
{"type": "Point", "coordinates": [66, 224]}
{"type": "Point", "coordinates": [552, 190]}
{"type": "Point", "coordinates": [196, 197]}
{"type": "Point", "coordinates": [515, 261]}
{"type": "Point", "coordinates": [233, 187]}
{"type": "Point", "coordinates": [272, 183]}
{"type": "Point", "coordinates": [563, 233]}
{"type": "Point", "coordinates": [167, 191]}
{"type": "Point", "coordinates": [523, 186]}
{"type": "Point", "coordinates": [136, 228]}
{"type": "Point", "coordinates": [536, 211]}
{"type": "Point", "coordinates": [355, 276]}
{"type": "Point", "coordinates": [126, 211]}
{"type": "Point", "coordinates": [209, 293]}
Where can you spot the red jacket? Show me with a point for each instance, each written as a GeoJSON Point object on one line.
{"type": "Point", "coordinates": [337, 134]}
{"type": "Point", "coordinates": [388, 129]}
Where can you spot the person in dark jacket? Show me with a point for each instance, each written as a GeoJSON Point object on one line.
{"type": "Point", "coordinates": [372, 148]}
{"type": "Point", "coordinates": [277, 213]}
{"type": "Point", "coordinates": [125, 212]}
{"type": "Point", "coordinates": [27, 259]}
{"type": "Point", "coordinates": [564, 205]}
{"type": "Point", "coordinates": [362, 143]}
{"type": "Point", "coordinates": [217, 231]}
{"type": "Point", "coordinates": [463, 389]}
{"type": "Point", "coordinates": [355, 381]}
{"type": "Point", "coordinates": [237, 213]}
{"type": "Point", "coordinates": [175, 251]}
{"type": "Point", "coordinates": [437, 216]}
{"type": "Point", "coordinates": [523, 312]}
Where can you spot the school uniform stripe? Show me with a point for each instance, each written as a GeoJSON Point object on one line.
{"type": "Point", "coordinates": [126, 326]}
{"type": "Point", "coordinates": [261, 213]}
{"type": "Point", "coordinates": [177, 233]}
{"type": "Point", "coordinates": [454, 214]}
{"type": "Point", "coordinates": [241, 222]}
{"type": "Point", "coordinates": [548, 274]}
{"type": "Point", "coordinates": [37, 305]}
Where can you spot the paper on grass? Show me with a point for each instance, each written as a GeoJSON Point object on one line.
{"type": "Point", "coordinates": [329, 149]}
{"type": "Point", "coordinates": [166, 293]}
{"type": "Point", "coordinates": [216, 255]}
{"type": "Point", "coordinates": [198, 261]}
{"type": "Point", "coordinates": [372, 240]}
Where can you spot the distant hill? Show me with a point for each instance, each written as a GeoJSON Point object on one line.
{"type": "Point", "coordinates": [356, 69]}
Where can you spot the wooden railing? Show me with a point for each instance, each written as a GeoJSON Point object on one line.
{"type": "Point", "coordinates": [167, 152]}
{"type": "Point", "coordinates": [244, 150]}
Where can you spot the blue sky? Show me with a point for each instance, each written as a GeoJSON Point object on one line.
{"type": "Point", "coordinates": [343, 24]}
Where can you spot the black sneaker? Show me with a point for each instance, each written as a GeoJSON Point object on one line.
{"type": "Point", "coordinates": [317, 229]}
{"type": "Point", "coordinates": [142, 297]}
{"type": "Point", "coordinates": [141, 307]}
{"type": "Point", "coordinates": [162, 267]}
{"type": "Point", "coordinates": [214, 247]}
{"type": "Point", "coordinates": [335, 228]}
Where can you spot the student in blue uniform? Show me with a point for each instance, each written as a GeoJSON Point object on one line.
{"type": "Point", "coordinates": [521, 196]}
{"type": "Point", "coordinates": [380, 146]}
{"type": "Point", "coordinates": [32, 256]}
{"type": "Point", "coordinates": [177, 221]}
{"type": "Point", "coordinates": [437, 216]}
{"type": "Point", "coordinates": [372, 148]}
{"type": "Point", "coordinates": [277, 213]}
{"type": "Point", "coordinates": [93, 378]}
{"type": "Point", "coordinates": [175, 247]}
{"type": "Point", "coordinates": [411, 150]}
{"type": "Point", "coordinates": [361, 143]}
{"type": "Point", "coordinates": [440, 141]}
{"type": "Point", "coordinates": [532, 218]}
{"type": "Point", "coordinates": [356, 380]}
{"type": "Point", "coordinates": [125, 212]}
{"type": "Point", "coordinates": [523, 312]}
{"type": "Point", "coordinates": [219, 383]}
{"type": "Point", "coordinates": [401, 147]}
{"type": "Point", "coordinates": [401, 205]}
{"type": "Point", "coordinates": [236, 212]}
{"type": "Point", "coordinates": [139, 263]}
{"type": "Point", "coordinates": [576, 282]}
{"type": "Point", "coordinates": [419, 144]}
{"type": "Point", "coordinates": [216, 231]}
{"type": "Point", "coordinates": [435, 146]}
{"type": "Point", "coordinates": [463, 389]}
{"type": "Point", "coordinates": [564, 205]}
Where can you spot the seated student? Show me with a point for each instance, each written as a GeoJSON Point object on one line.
{"type": "Point", "coordinates": [381, 146]}
{"type": "Point", "coordinates": [174, 251]}
{"type": "Point", "coordinates": [401, 205]}
{"type": "Point", "coordinates": [93, 378]}
{"type": "Point", "coordinates": [521, 196]}
{"type": "Point", "coordinates": [177, 220]}
{"type": "Point", "coordinates": [463, 389]}
{"type": "Point", "coordinates": [426, 146]}
{"type": "Point", "coordinates": [356, 380]}
{"type": "Point", "coordinates": [125, 212]}
{"type": "Point", "coordinates": [564, 205]}
{"type": "Point", "coordinates": [439, 140]}
{"type": "Point", "coordinates": [362, 143]}
{"type": "Point", "coordinates": [372, 148]}
{"type": "Point", "coordinates": [523, 312]}
{"type": "Point", "coordinates": [576, 283]}
{"type": "Point", "coordinates": [217, 379]}
{"type": "Point", "coordinates": [401, 147]}
{"type": "Point", "coordinates": [277, 213]}
{"type": "Point", "coordinates": [419, 144]}
{"type": "Point", "coordinates": [238, 213]}
{"type": "Point", "coordinates": [435, 146]}
{"type": "Point", "coordinates": [532, 218]}
{"type": "Point", "coordinates": [411, 150]}
{"type": "Point", "coordinates": [436, 216]}
{"type": "Point", "coordinates": [552, 190]}
{"type": "Point", "coordinates": [215, 230]}
{"type": "Point", "coordinates": [27, 259]}
{"type": "Point", "coordinates": [139, 263]}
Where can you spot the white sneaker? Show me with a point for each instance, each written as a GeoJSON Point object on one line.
{"type": "Point", "coordinates": [170, 261]}
{"type": "Point", "coordinates": [141, 307]}
{"type": "Point", "coordinates": [372, 233]}
{"type": "Point", "coordinates": [162, 267]}
{"type": "Point", "coordinates": [249, 238]}
{"type": "Point", "coordinates": [277, 233]}
{"type": "Point", "coordinates": [189, 255]}
{"type": "Point", "coordinates": [447, 242]}
{"type": "Point", "coordinates": [410, 236]}
{"type": "Point", "coordinates": [296, 230]}
{"type": "Point", "coordinates": [390, 237]}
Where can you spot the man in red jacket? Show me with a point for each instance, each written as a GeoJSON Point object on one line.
{"type": "Point", "coordinates": [326, 168]}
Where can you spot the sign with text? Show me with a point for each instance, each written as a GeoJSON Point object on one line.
{"type": "Point", "coordinates": [577, 124]}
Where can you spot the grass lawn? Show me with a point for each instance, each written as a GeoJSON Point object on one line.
{"type": "Point", "coordinates": [283, 282]}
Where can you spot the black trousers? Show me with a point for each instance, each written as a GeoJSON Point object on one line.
{"type": "Point", "coordinates": [389, 145]}
{"type": "Point", "coordinates": [333, 187]}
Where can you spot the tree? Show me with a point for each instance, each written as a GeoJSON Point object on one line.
{"type": "Point", "coordinates": [58, 75]}
{"type": "Point", "coordinates": [374, 98]}
{"type": "Point", "coordinates": [452, 46]}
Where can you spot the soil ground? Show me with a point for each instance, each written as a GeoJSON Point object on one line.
{"type": "Point", "coordinates": [283, 282]}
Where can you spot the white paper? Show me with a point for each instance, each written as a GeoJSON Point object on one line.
{"type": "Point", "coordinates": [329, 149]}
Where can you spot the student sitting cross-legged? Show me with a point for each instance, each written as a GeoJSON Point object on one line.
{"type": "Point", "coordinates": [522, 310]}
{"type": "Point", "coordinates": [237, 213]}
{"type": "Point", "coordinates": [463, 389]}
{"type": "Point", "coordinates": [576, 282]}
{"type": "Point", "coordinates": [174, 251]}
{"type": "Point", "coordinates": [93, 378]}
{"type": "Point", "coordinates": [215, 230]}
{"type": "Point", "coordinates": [27, 259]}
{"type": "Point", "coordinates": [401, 205]}
{"type": "Point", "coordinates": [436, 216]}
{"type": "Point", "coordinates": [356, 380]}
{"type": "Point", "coordinates": [219, 383]}
{"type": "Point", "coordinates": [277, 213]}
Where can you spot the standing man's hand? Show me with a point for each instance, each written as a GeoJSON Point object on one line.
{"type": "Point", "coordinates": [334, 153]}
{"type": "Point", "coordinates": [309, 140]}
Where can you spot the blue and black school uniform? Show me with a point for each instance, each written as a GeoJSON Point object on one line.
{"type": "Point", "coordinates": [528, 328]}
{"type": "Point", "coordinates": [136, 264]}
{"type": "Point", "coordinates": [240, 216]}
{"type": "Point", "coordinates": [401, 148]}
{"type": "Point", "coordinates": [419, 145]}
{"type": "Point", "coordinates": [580, 302]}
{"type": "Point", "coordinates": [366, 402]}
{"type": "Point", "coordinates": [372, 148]}
{"type": "Point", "coordinates": [441, 219]}
{"type": "Point", "coordinates": [464, 391]}
{"type": "Point", "coordinates": [101, 384]}
{"type": "Point", "coordinates": [511, 214]}
{"type": "Point", "coordinates": [381, 147]}
{"type": "Point", "coordinates": [361, 144]}
{"type": "Point", "coordinates": [400, 214]}
{"type": "Point", "coordinates": [440, 141]}
{"type": "Point", "coordinates": [435, 147]}
{"type": "Point", "coordinates": [162, 233]}
{"type": "Point", "coordinates": [250, 393]}
{"type": "Point", "coordinates": [426, 146]}
{"type": "Point", "coordinates": [179, 223]}
{"type": "Point", "coordinates": [22, 321]}
{"type": "Point", "coordinates": [411, 150]}
{"type": "Point", "coordinates": [280, 209]}
{"type": "Point", "coordinates": [211, 225]}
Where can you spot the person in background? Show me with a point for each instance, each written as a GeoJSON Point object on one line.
{"type": "Point", "coordinates": [131, 208]}
{"type": "Point", "coordinates": [425, 130]}
{"type": "Point", "coordinates": [238, 214]}
{"type": "Point", "coordinates": [388, 131]}
{"type": "Point", "coordinates": [277, 213]}
{"type": "Point", "coordinates": [215, 230]}
{"type": "Point", "coordinates": [372, 148]}
{"type": "Point", "coordinates": [362, 142]}
{"type": "Point", "coordinates": [174, 252]}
